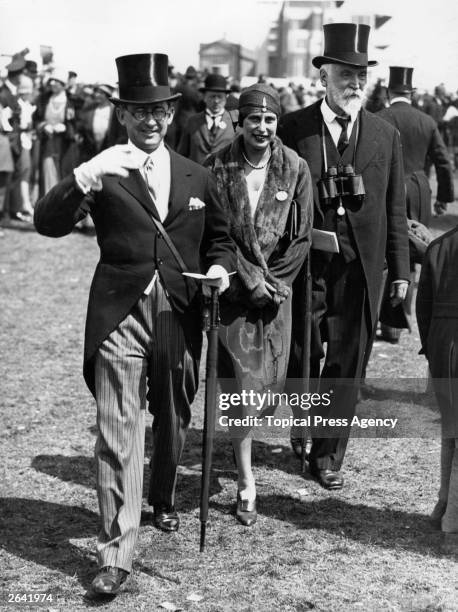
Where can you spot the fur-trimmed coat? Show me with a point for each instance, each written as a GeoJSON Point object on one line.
{"type": "Point", "coordinates": [254, 341]}
{"type": "Point", "coordinates": [273, 245]}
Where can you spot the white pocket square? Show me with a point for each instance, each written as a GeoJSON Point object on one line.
{"type": "Point", "coordinates": [195, 204]}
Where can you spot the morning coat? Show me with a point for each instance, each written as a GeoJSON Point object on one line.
{"type": "Point", "coordinates": [131, 248]}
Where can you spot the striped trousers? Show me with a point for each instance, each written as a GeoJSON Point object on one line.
{"type": "Point", "coordinates": [143, 363]}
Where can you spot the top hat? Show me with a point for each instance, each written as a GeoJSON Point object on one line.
{"type": "Point", "coordinates": [143, 78]}
{"type": "Point", "coordinates": [17, 63]}
{"type": "Point", "coordinates": [400, 79]}
{"type": "Point", "coordinates": [345, 43]}
{"type": "Point", "coordinates": [215, 82]}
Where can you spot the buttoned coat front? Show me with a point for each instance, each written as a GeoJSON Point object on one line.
{"type": "Point", "coordinates": [379, 224]}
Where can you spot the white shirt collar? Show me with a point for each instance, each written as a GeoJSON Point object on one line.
{"type": "Point", "coordinates": [141, 156]}
{"type": "Point", "coordinates": [329, 115]}
{"type": "Point", "coordinates": [400, 99]}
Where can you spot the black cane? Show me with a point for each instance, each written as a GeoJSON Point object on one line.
{"type": "Point", "coordinates": [305, 370]}
{"type": "Point", "coordinates": [210, 411]}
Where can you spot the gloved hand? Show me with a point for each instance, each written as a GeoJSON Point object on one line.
{"type": "Point", "coordinates": [48, 129]}
{"type": "Point", "coordinates": [260, 296]}
{"type": "Point", "coordinates": [117, 160]}
{"type": "Point", "coordinates": [59, 128]}
{"type": "Point", "coordinates": [398, 292]}
{"type": "Point", "coordinates": [217, 276]}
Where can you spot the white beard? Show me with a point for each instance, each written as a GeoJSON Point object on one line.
{"type": "Point", "coordinates": [352, 106]}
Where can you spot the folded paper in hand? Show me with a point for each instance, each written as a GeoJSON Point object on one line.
{"type": "Point", "coordinates": [198, 276]}
{"type": "Point", "coordinates": [323, 240]}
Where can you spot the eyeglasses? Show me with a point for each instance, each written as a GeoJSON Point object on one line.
{"type": "Point", "coordinates": [158, 113]}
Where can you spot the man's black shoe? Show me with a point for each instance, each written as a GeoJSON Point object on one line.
{"type": "Point", "coordinates": [166, 518]}
{"type": "Point", "coordinates": [328, 478]}
{"type": "Point", "coordinates": [109, 580]}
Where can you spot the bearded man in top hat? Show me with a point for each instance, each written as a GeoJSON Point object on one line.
{"type": "Point", "coordinates": [337, 137]}
{"type": "Point", "coordinates": [421, 144]}
{"type": "Point", "coordinates": [156, 215]}
{"type": "Point", "coordinates": [211, 129]}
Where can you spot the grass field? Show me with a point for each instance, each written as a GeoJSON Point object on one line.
{"type": "Point", "coordinates": [368, 547]}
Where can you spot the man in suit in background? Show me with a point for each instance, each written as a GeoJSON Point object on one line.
{"type": "Point", "coordinates": [421, 141]}
{"type": "Point", "coordinates": [211, 129]}
{"type": "Point", "coordinates": [336, 134]}
{"type": "Point", "coordinates": [98, 126]}
{"type": "Point", "coordinates": [143, 338]}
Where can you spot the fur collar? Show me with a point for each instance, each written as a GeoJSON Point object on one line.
{"type": "Point", "coordinates": [256, 238]}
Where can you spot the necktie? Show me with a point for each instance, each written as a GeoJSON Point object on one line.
{"type": "Point", "coordinates": [343, 138]}
{"type": "Point", "coordinates": [214, 127]}
{"type": "Point", "coordinates": [152, 180]}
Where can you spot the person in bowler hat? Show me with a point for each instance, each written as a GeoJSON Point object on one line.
{"type": "Point", "coordinates": [155, 215]}
{"type": "Point", "coordinates": [420, 140]}
{"type": "Point", "coordinates": [211, 129]}
{"type": "Point", "coordinates": [337, 132]}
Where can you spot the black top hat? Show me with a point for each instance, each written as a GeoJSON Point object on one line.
{"type": "Point", "coordinates": [215, 82]}
{"type": "Point", "coordinates": [401, 79]}
{"type": "Point", "coordinates": [345, 43]}
{"type": "Point", "coordinates": [143, 78]}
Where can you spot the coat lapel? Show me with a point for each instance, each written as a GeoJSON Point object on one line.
{"type": "Point", "coordinates": [180, 174]}
{"type": "Point", "coordinates": [204, 131]}
{"type": "Point", "coordinates": [368, 142]}
{"type": "Point", "coordinates": [137, 188]}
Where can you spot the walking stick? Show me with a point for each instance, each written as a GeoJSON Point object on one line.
{"type": "Point", "coordinates": [212, 315]}
{"type": "Point", "coordinates": [305, 366]}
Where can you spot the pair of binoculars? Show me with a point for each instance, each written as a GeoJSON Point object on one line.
{"type": "Point", "coordinates": [336, 184]}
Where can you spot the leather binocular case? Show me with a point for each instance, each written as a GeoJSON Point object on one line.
{"type": "Point", "coordinates": [336, 184]}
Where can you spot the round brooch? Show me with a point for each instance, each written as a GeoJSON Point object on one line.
{"type": "Point", "coordinates": [281, 196]}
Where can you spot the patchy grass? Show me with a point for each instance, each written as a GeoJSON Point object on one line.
{"type": "Point", "coordinates": [368, 547]}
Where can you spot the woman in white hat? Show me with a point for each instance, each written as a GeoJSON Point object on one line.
{"type": "Point", "coordinates": [55, 117]}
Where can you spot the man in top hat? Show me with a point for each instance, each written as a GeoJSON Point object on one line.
{"type": "Point", "coordinates": [421, 140]}
{"type": "Point", "coordinates": [336, 132]}
{"type": "Point", "coordinates": [156, 215]}
{"type": "Point", "coordinates": [211, 129]}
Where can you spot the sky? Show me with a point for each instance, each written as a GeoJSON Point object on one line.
{"type": "Point", "coordinates": [87, 35]}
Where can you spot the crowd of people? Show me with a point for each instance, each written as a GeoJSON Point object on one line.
{"type": "Point", "coordinates": [280, 200]}
{"type": "Point", "coordinates": [50, 122]}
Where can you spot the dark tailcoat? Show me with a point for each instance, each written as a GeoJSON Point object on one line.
{"type": "Point", "coordinates": [379, 225]}
{"type": "Point", "coordinates": [131, 248]}
{"type": "Point", "coordinates": [420, 138]}
{"type": "Point", "coordinates": [437, 318]}
{"type": "Point", "coordinates": [197, 143]}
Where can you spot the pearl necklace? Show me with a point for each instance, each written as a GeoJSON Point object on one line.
{"type": "Point", "coordinates": [253, 165]}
